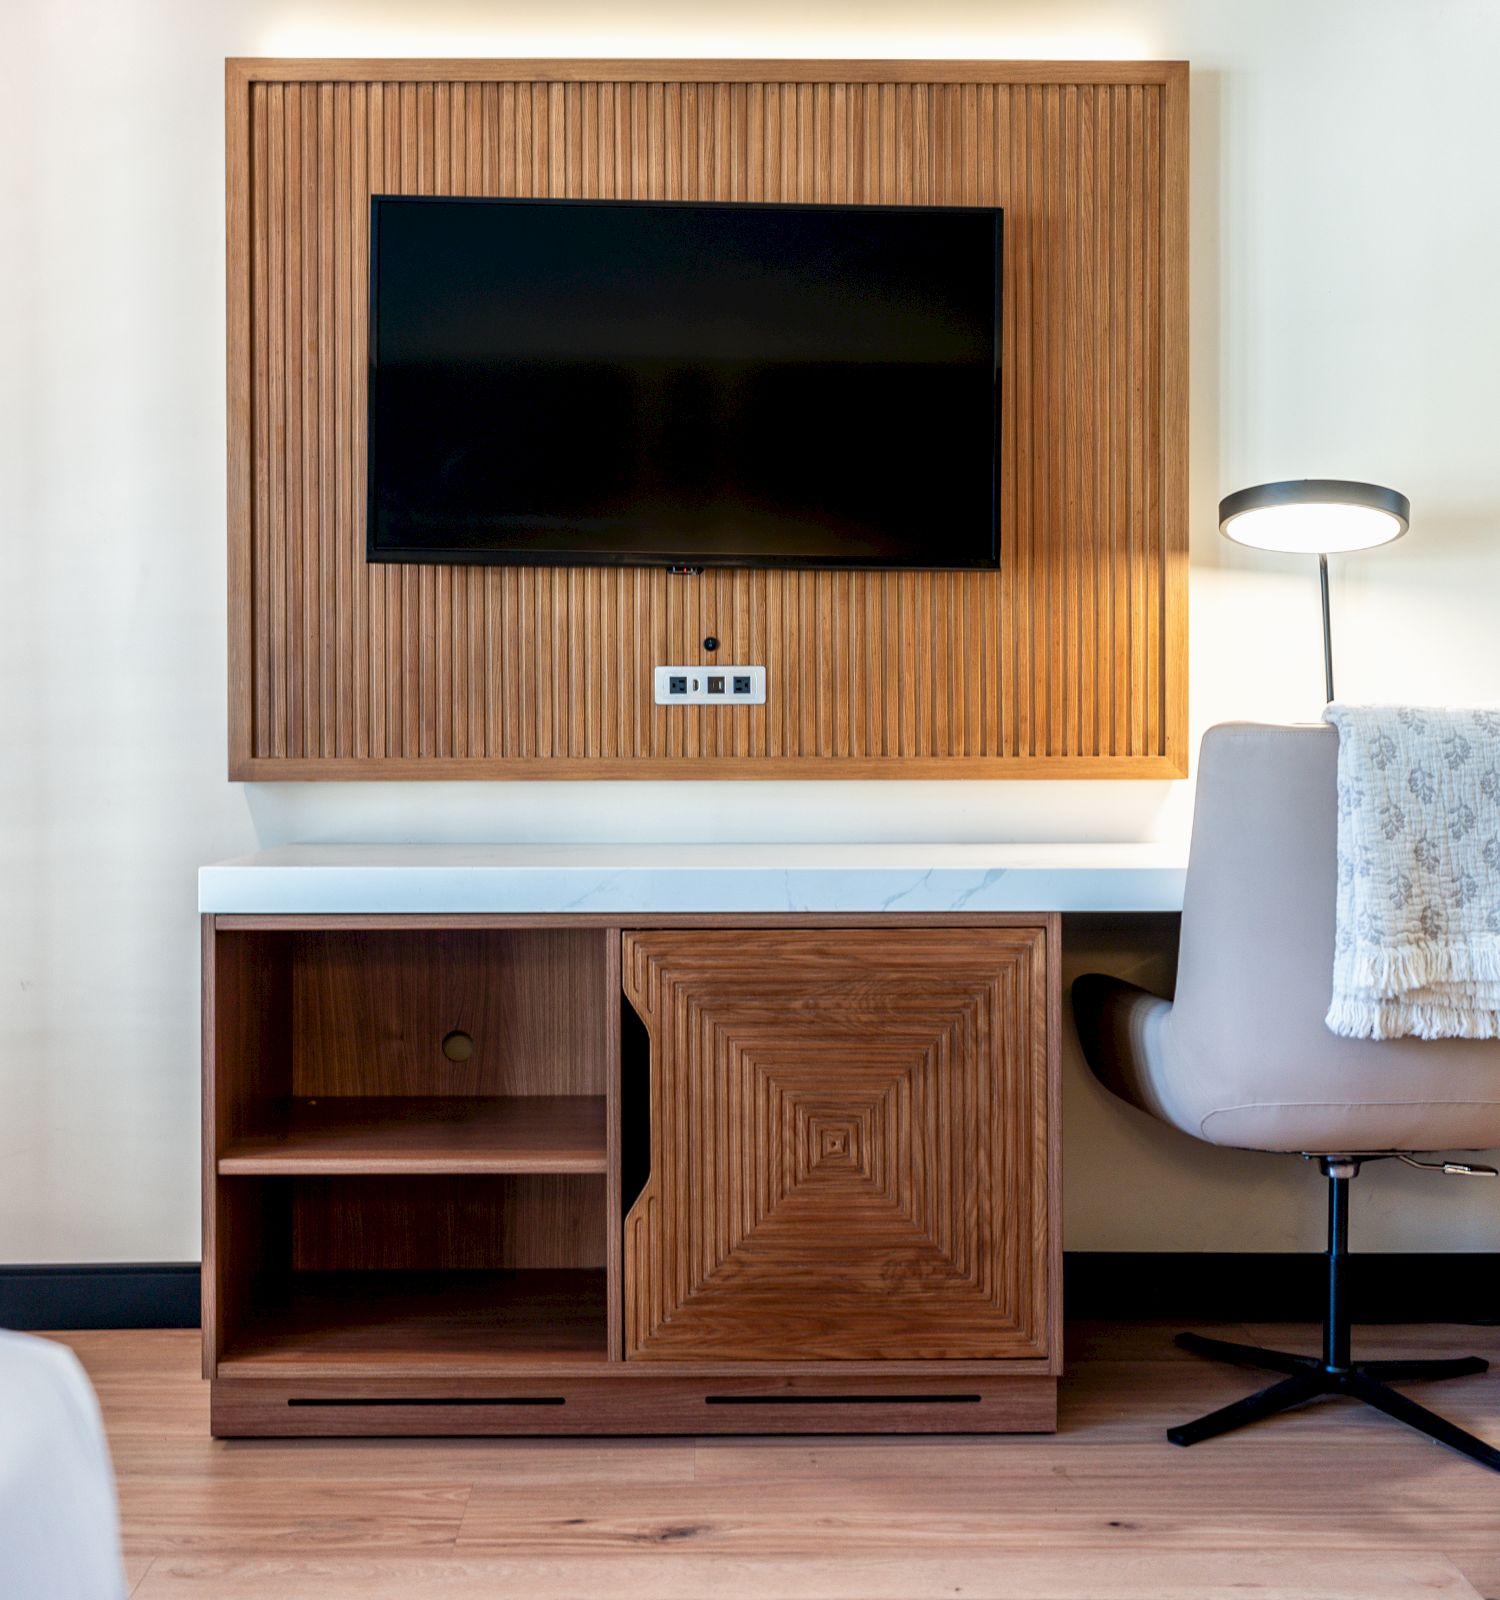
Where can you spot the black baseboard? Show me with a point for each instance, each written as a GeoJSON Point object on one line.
{"type": "Point", "coordinates": [1133, 1286]}
{"type": "Point", "coordinates": [144, 1294]}
{"type": "Point", "coordinates": [1285, 1286]}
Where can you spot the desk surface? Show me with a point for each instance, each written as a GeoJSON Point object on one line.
{"type": "Point", "coordinates": [644, 879]}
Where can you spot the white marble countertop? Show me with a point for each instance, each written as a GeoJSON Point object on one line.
{"type": "Point", "coordinates": [634, 879]}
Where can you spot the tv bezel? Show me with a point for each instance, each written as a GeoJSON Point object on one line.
{"type": "Point", "coordinates": [427, 556]}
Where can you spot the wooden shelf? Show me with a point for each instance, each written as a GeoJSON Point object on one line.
{"type": "Point", "coordinates": [348, 1136]}
{"type": "Point", "coordinates": [420, 1324]}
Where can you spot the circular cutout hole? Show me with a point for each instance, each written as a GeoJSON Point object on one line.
{"type": "Point", "coordinates": [458, 1046]}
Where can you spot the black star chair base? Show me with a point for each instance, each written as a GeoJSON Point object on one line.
{"type": "Point", "coordinates": [1241, 1057]}
{"type": "Point", "coordinates": [1333, 1371]}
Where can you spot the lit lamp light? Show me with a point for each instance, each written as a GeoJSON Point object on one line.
{"type": "Point", "coordinates": [1315, 516]}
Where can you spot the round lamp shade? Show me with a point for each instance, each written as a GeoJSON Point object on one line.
{"type": "Point", "coordinates": [1314, 516]}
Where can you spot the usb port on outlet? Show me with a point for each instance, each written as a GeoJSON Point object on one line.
{"type": "Point", "coordinates": [716, 684]}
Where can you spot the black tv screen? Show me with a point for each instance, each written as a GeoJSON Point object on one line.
{"type": "Point", "coordinates": [641, 383]}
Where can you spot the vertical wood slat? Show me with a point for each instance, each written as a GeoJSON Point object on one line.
{"type": "Point", "coordinates": [1172, 600]}
{"type": "Point", "coordinates": [247, 610]}
{"type": "Point", "coordinates": [407, 677]}
{"type": "Point", "coordinates": [1070, 556]}
{"type": "Point", "coordinates": [1135, 400]}
{"type": "Point", "coordinates": [320, 606]}
{"type": "Point", "coordinates": [268, 301]}
{"type": "Point", "coordinates": [445, 684]}
{"type": "Point", "coordinates": [434, 695]}
{"type": "Point", "coordinates": [1071, 656]}
{"type": "Point", "coordinates": [346, 552]}
{"type": "Point", "coordinates": [1118, 521]}
{"type": "Point", "coordinates": [302, 543]}
{"type": "Point", "coordinates": [1086, 416]}
{"type": "Point", "coordinates": [1152, 427]}
{"type": "Point", "coordinates": [468, 145]}
{"type": "Point", "coordinates": [361, 600]}
{"type": "Point", "coordinates": [375, 578]}
{"type": "Point", "coordinates": [1051, 640]}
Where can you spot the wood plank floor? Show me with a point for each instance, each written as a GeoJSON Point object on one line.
{"type": "Point", "coordinates": [1332, 1501]}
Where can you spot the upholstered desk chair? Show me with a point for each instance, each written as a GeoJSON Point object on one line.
{"type": "Point", "coordinates": [1241, 1056]}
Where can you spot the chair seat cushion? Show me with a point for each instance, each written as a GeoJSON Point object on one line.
{"type": "Point", "coordinates": [1342, 1095]}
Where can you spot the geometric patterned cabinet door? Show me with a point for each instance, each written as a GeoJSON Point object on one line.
{"type": "Point", "coordinates": [849, 1136]}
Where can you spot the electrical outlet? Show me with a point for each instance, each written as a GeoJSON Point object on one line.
{"type": "Point", "coordinates": [711, 686]}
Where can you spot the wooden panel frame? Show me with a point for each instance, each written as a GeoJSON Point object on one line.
{"type": "Point", "coordinates": [1069, 662]}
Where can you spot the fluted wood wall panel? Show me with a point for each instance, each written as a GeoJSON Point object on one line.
{"type": "Point", "coordinates": [1068, 660]}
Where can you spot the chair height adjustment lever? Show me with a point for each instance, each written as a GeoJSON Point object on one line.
{"type": "Point", "coordinates": [1452, 1169]}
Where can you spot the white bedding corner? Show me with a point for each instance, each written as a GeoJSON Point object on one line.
{"type": "Point", "coordinates": [59, 1526]}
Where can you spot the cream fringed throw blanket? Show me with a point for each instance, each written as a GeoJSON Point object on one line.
{"type": "Point", "coordinates": [1417, 943]}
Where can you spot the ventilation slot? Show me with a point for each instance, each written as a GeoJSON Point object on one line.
{"type": "Point", "coordinates": [445, 1400]}
{"type": "Point", "coordinates": [842, 1399]}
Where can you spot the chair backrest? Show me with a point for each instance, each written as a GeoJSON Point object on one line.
{"type": "Point", "coordinates": [1257, 915]}
{"type": "Point", "coordinates": [1255, 970]}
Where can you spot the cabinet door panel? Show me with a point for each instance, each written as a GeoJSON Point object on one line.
{"type": "Point", "coordinates": [848, 1145]}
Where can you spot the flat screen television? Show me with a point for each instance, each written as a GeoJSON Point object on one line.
{"type": "Point", "coordinates": [638, 383]}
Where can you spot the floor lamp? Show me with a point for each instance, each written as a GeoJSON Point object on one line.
{"type": "Point", "coordinates": [1315, 516]}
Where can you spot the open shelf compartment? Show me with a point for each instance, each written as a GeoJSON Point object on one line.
{"type": "Point", "coordinates": [412, 1274]}
{"type": "Point", "coordinates": [381, 1206]}
{"type": "Point", "coordinates": [428, 1324]}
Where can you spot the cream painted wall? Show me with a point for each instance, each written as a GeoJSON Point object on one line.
{"type": "Point", "coordinates": [1345, 322]}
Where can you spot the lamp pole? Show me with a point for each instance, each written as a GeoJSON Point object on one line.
{"type": "Point", "coordinates": [1327, 636]}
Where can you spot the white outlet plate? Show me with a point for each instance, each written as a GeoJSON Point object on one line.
{"type": "Point", "coordinates": [711, 686]}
